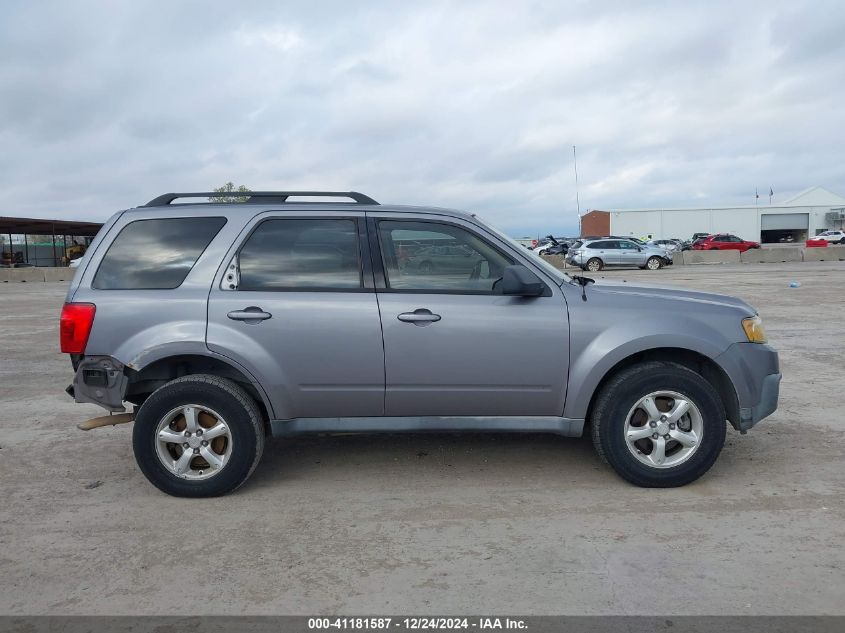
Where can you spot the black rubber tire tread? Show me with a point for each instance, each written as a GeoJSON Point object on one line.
{"type": "Point", "coordinates": [224, 396]}
{"type": "Point", "coordinates": [618, 395]}
{"type": "Point", "coordinates": [660, 263]}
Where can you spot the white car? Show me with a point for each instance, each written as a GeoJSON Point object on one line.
{"type": "Point", "coordinates": [666, 245]}
{"type": "Point", "coordinates": [831, 237]}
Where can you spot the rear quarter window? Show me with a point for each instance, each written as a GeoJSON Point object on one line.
{"type": "Point", "coordinates": [155, 254]}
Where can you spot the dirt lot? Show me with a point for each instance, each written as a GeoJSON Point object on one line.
{"type": "Point", "coordinates": [443, 523]}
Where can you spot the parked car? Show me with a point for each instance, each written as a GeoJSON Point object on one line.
{"type": "Point", "coordinates": [443, 260]}
{"type": "Point", "coordinates": [552, 246]}
{"type": "Point", "coordinates": [635, 240]}
{"type": "Point", "coordinates": [74, 263]}
{"type": "Point", "coordinates": [594, 255]}
{"type": "Point", "coordinates": [698, 236]}
{"type": "Point", "coordinates": [221, 325]}
{"type": "Point", "coordinates": [831, 237]}
{"type": "Point", "coordinates": [815, 242]}
{"type": "Point", "coordinates": [724, 242]}
{"type": "Point", "coordinates": [668, 245]}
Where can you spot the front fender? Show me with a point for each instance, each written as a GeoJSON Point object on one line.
{"type": "Point", "coordinates": [597, 356]}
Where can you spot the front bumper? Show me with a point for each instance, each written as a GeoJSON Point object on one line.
{"type": "Point", "coordinates": [754, 371]}
{"type": "Point", "coordinates": [767, 404]}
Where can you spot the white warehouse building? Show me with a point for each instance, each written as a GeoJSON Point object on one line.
{"type": "Point", "coordinates": [807, 214]}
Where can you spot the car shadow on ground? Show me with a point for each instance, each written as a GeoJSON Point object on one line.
{"type": "Point", "coordinates": [430, 456]}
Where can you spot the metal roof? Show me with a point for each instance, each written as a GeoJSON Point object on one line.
{"type": "Point", "coordinates": [43, 226]}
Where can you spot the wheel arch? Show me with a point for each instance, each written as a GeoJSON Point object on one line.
{"type": "Point", "coordinates": [695, 360]}
{"type": "Point", "coordinates": [146, 379]}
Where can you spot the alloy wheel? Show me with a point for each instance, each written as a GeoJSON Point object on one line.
{"type": "Point", "coordinates": [663, 429]}
{"type": "Point", "coordinates": [193, 442]}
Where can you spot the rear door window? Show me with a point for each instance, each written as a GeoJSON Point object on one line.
{"type": "Point", "coordinates": [155, 254]}
{"type": "Point", "coordinates": [301, 254]}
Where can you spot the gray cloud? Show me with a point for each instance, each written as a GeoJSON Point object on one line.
{"type": "Point", "coordinates": [468, 104]}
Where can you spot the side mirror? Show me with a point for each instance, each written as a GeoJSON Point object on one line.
{"type": "Point", "coordinates": [520, 282]}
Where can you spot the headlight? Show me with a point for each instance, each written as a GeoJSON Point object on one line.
{"type": "Point", "coordinates": [753, 327]}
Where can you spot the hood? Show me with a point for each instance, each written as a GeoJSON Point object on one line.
{"type": "Point", "coordinates": [671, 294]}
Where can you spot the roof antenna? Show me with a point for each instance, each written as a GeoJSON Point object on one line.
{"type": "Point", "coordinates": [583, 281]}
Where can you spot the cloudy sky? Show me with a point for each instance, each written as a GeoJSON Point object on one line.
{"type": "Point", "coordinates": [474, 105]}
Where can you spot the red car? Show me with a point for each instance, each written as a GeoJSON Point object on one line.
{"type": "Point", "coordinates": [814, 242]}
{"type": "Point", "coordinates": [724, 242]}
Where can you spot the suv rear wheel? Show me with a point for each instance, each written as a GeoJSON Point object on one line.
{"type": "Point", "coordinates": [658, 424]}
{"type": "Point", "coordinates": [594, 265]}
{"type": "Point", "coordinates": [198, 436]}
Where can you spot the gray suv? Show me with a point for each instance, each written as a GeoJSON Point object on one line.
{"type": "Point", "coordinates": [593, 255]}
{"type": "Point", "coordinates": [222, 324]}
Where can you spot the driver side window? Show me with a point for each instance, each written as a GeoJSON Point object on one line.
{"type": "Point", "coordinates": [435, 257]}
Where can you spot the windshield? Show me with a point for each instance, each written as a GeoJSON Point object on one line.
{"type": "Point", "coordinates": [550, 270]}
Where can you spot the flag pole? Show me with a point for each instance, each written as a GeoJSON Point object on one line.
{"type": "Point", "coordinates": [577, 197]}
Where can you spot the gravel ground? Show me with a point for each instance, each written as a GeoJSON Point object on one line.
{"type": "Point", "coordinates": [433, 523]}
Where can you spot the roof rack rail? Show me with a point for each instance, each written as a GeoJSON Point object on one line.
{"type": "Point", "coordinates": [260, 197]}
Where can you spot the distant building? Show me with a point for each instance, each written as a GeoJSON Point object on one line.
{"type": "Point", "coordinates": [808, 213]}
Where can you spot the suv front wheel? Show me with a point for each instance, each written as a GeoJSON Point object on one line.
{"type": "Point", "coordinates": [198, 436]}
{"type": "Point", "coordinates": [658, 424]}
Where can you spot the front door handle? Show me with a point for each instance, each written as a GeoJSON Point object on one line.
{"type": "Point", "coordinates": [420, 316]}
{"type": "Point", "coordinates": [252, 314]}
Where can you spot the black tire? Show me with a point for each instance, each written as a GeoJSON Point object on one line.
{"type": "Point", "coordinates": [658, 260]}
{"type": "Point", "coordinates": [234, 404]}
{"type": "Point", "coordinates": [622, 392]}
{"type": "Point", "coordinates": [595, 261]}
{"type": "Point", "coordinates": [842, 241]}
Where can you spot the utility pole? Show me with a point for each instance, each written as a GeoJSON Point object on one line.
{"type": "Point", "coordinates": [577, 197]}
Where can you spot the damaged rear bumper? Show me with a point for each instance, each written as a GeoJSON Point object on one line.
{"type": "Point", "coordinates": [100, 380]}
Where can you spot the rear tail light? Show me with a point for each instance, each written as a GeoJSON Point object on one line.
{"type": "Point", "coordinates": [75, 326]}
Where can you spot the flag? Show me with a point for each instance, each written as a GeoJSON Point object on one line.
{"type": "Point", "coordinates": [771, 193]}
{"type": "Point", "coordinates": [756, 195]}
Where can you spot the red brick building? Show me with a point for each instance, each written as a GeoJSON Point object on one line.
{"type": "Point", "coordinates": [595, 223]}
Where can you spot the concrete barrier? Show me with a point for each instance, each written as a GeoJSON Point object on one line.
{"type": "Point", "coordinates": [711, 257]}
{"type": "Point", "coordinates": [774, 255]}
{"type": "Point", "coordinates": [678, 258]}
{"type": "Point", "coordinates": [58, 274]}
{"type": "Point", "coordinates": [21, 274]}
{"type": "Point", "coordinates": [829, 254]}
{"type": "Point", "coordinates": [555, 260]}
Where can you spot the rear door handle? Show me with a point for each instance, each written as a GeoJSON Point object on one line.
{"type": "Point", "coordinates": [420, 316]}
{"type": "Point", "coordinates": [252, 314]}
